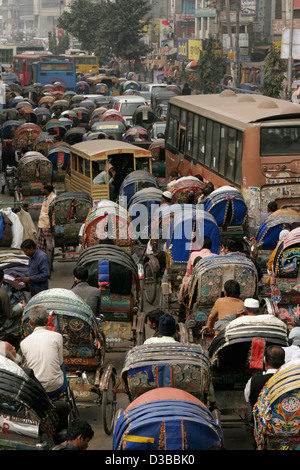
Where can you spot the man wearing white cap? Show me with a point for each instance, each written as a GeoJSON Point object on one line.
{"type": "Point", "coordinates": [251, 306]}
{"type": "Point", "coordinates": [166, 197]}
{"type": "Point", "coordinates": [292, 352]}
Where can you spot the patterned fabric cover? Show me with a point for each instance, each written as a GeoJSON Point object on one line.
{"type": "Point", "coordinates": [71, 317]}
{"type": "Point", "coordinates": [210, 274]}
{"type": "Point", "coordinates": [268, 233]}
{"type": "Point", "coordinates": [277, 410]}
{"type": "Point", "coordinates": [167, 424]}
{"type": "Point", "coordinates": [133, 183]}
{"type": "Point", "coordinates": [178, 365]}
{"type": "Point", "coordinates": [228, 207]}
{"type": "Point", "coordinates": [186, 190]}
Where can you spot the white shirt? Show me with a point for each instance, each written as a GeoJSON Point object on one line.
{"type": "Point", "coordinates": [247, 387]}
{"type": "Point", "coordinates": [160, 339]}
{"type": "Point", "coordinates": [43, 353]}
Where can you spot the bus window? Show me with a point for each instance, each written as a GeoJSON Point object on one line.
{"type": "Point", "coordinates": [216, 146]}
{"type": "Point", "coordinates": [280, 141]}
{"type": "Point", "coordinates": [208, 143]}
{"type": "Point", "coordinates": [183, 117]}
{"type": "Point", "coordinates": [230, 163]}
{"type": "Point", "coordinates": [195, 137]}
{"type": "Point", "coordinates": [182, 141]}
{"type": "Point", "coordinates": [238, 161]}
{"type": "Point", "coordinates": [189, 135]}
{"type": "Point", "coordinates": [223, 149]}
{"type": "Point", "coordinates": [172, 137]}
{"type": "Point", "coordinates": [202, 139]}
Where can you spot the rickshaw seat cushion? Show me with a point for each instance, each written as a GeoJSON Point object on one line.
{"type": "Point", "coordinates": [103, 270]}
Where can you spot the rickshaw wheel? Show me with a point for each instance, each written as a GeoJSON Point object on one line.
{"type": "Point", "coordinates": [74, 413]}
{"type": "Point", "coordinates": [149, 283]}
{"type": "Point", "coordinates": [109, 404]}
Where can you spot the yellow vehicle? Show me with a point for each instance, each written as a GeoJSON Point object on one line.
{"type": "Point", "coordinates": [85, 63]}
{"type": "Point", "coordinates": [90, 157]}
{"type": "Point", "coordinates": [112, 82]}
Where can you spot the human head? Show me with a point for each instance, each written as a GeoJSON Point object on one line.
{"type": "Point", "coordinates": [81, 273]}
{"type": "Point", "coordinates": [166, 197]}
{"type": "Point", "coordinates": [231, 245]}
{"type": "Point", "coordinates": [153, 318]}
{"type": "Point", "coordinates": [272, 206]}
{"type": "Point", "coordinates": [80, 433]}
{"type": "Point", "coordinates": [251, 306]}
{"type": "Point", "coordinates": [274, 356]}
{"type": "Point", "coordinates": [207, 242]}
{"type": "Point", "coordinates": [174, 175]}
{"type": "Point", "coordinates": [167, 325]}
{"type": "Point", "coordinates": [38, 316]}
{"type": "Point", "coordinates": [232, 288]}
{"type": "Point", "coordinates": [294, 336]}
{"type": "Point", "coordinates": [47, 189]}
{"type": "Point", "coordinates": [210, 185]}
{"type": "Point", "coordinates": [29, 247]}
{"type": "Point", "coordinates": [200, 177]}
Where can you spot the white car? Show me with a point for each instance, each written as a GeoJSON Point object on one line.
{"type": "Point", "coordinates": [127, 105]}
{"type": "Point", "coordinates": [153, 86]}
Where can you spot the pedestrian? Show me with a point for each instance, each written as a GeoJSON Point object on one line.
{"type": "Point", "coordinates": [274, 359]}
{"type": "Point", "coordinates": [38, 272]}
{"type": "Point", "coordinates": [79, 434]}
{"type": "Point", "coordinates": [89, 294]}
{"type": "Point", "coordinates": [44, 225]}
{"type": "Point", "coordinates": [186, 90]}
{"type": "Point", "coordinates": [8, 159]}
{"type": "Point", "coordinates": [166, 330]}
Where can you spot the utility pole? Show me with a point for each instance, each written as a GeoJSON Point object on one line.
{"type": "Point", "coordinates": [290, 59]}
{"type": "Point", "coordinates": [237, 44]}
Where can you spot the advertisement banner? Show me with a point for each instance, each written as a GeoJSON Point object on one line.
{"type": "Point", "coordinates": [183, 49]}
{"type": "Point", "coordinates": [195, 49]}
{"type": "Point", "coordinates": [248, 7]}
{"type": "Point", "coordinates": [158, 76]}
{"type": "Point", "coordinates": [285, 45]}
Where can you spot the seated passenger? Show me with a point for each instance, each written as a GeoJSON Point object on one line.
{"type": "Point", "coordinates": [153, 320]}
{"type": "Point", "coordinates": [101, 178]}
{"type": "Point", "coordinates": [89, 294]}
{"type": "Point", "coordinates": [274, 359]}
{"type": "Point", "coordinates": [227, 305]}
{"type": "Point", "coordinates": [43, 353]}
{"type": "Point", "coordinates": [166, 330]}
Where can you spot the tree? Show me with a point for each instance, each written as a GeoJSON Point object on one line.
{"type": "Point", "coordinates": [82, 21]}
{"type": "Point", "coordinates": [274, 71]}
{"type": "Point", "coordinates": [211, 68]}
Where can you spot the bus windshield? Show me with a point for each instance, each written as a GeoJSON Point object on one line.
{"type": "Point", "coordinates": [280, 141]}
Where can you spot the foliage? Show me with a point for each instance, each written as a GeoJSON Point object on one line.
{"type": "Point", "coordinates": [110, 29]}
{"type": "Point", "coordinates": [211, 68]}
{"type": "Point", "coordinates": [274, 71]}
{"type": "Point", "coordinates": [58, 47]}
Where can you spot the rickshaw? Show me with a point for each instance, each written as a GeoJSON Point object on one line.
{"type": "Point", "coordinates": [237, 353]}
{"type": "Point", "coordinates": [137, 135]}
{"type": "Point", "coordinates": [76, 100]}
{"type": "Point", "coordinates": [43, 116]}
{"type": "Point", "coordinates": [161, 97]}
{"type": "Point", "coordinates": [68, 95]}
{"type": "Point", "coordinates": [108, 218]}
{"type": "Point", "coordinates": [34, 170]}
{"type": "Point", "coordinates": [86, 157]}
{"type": "Point", "coordinates": [185, 233]}
{"type": "Point", "coordinates": [95, 116]}
{"type": "Point", "coordinates": [70, 114]}
{"type": "Point", "coordinates": [186, 190]}
{"type": "Point", "coordinates": [8, 114]}
{"type": "Point", "coordinates": [143, 116]}
{"type": "Point", "coordinates": [101, 89]}
{"type": "Point", "coordinates": [84, 348]}
{"type": "Point", "coordinates": [207, 285]}
{"type": "Point", "coordinates": [43, 142]}
{"type": "Point", "coordinates": [27, 415]}
{"type": "Point", "coordinates": [284, 281]}
{"type": "Point", "coordinates": [115, 129]}
{"type": "Point", "coordinates": [111, 81]}
{"type": "Point", "coordinates": [134, 182]}
{"type": "Point", "coordinates": [14, 264]}
{"type": "Point", "coordinates": [83, 115]}
{"type": "Point", "coordinates": [150, 198]}
{"type": "Point", "coordinates": [277, 410]}
{"type": "Point", "coordinates": [82, 88]}
{"type": "Point", "coordinates": [74, 135]}
{"type": "Point", "coordinates": [26, 135]}
{"type": "Point", "coordinates": [267, 235]}
{"type": "Point", "coordinates": [56, 128]}
{"type": "Point", "coordinates": [112, 115]}
{"type": "Point", "coordinates": [112, 270]}
{"type": "Point", "coordinates": [130, 85]}
{"type": "Point", "coordinates": [66, 122]}
{"type": "Point", "coordinates": [167, 419]}
{"type": "Point", "coordinates": [9, 128]}
{"type": "Point", "coordinates": [27, 114]}
{"type": "Point", "coordinates": [67, 213]}
{"type": "Point", "coordinates": [46, 101]}
{"type": "Point", "coordinates": [227, 205]}
{"type": "Point", "coordinates": [59, 105]}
